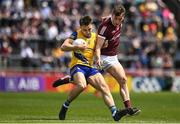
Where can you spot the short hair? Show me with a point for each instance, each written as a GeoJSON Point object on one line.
{"type": "Point", "coordinates": [118, 10]}
{"type": "Point", "coordinates": [85, 20]}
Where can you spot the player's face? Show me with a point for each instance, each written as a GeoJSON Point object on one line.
{"type": "Point", "coordinates": [86, 30]}
{"type": "Point", "coordinates": [117, 20]}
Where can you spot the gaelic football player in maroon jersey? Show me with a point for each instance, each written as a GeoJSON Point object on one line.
{"type": "Point", "coordinates": [106, 57]}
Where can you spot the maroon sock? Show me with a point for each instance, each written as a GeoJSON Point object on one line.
{"type": "Point", "coordinates": [127, 104]}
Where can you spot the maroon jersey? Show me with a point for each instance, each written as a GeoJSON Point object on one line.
{"type": "Point", "coordinates": [112, 34]}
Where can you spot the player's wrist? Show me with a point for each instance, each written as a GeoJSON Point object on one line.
{"type": "Point", "coordinates": [76, 47]}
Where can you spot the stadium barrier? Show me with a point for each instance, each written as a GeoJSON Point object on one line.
{"type": "Point", "coordinates": [138, 81]}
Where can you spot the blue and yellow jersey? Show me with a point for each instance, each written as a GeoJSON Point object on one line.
{"type": "Point", "coordinates": [85, 57]}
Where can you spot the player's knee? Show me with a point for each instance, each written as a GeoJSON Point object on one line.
{"type": "Point", "coordinates": [104, 88]}
{"type": "Point", "coordinates": [123, 80]}
{"type": "Point", "coordinates": [82, 85]}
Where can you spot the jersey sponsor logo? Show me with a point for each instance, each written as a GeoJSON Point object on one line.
{"type": "Point", "coordinates": [117, 28]}
{"type": "Point", "coordinates": [115, 37]}
{"type": "Point", "coordinates": [113, 31]}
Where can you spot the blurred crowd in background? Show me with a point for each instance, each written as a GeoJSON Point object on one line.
{"type": "Point", "coordinates": [31, 32]}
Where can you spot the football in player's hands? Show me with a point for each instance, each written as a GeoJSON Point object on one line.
{"type": "Point", "coordinates": [79, 42]}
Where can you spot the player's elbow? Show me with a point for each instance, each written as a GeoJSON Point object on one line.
{"type": "Point", "coordinates": [63, 47]}
{"type": "Point", "coordinates": [123, 80]}
{"type": "Point", "coordinates": [97, 49]}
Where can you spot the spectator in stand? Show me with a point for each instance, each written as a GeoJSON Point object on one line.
{"type": "Point", "coordinates": [47, 60]}
{"type": "Point", "coordinates": [5, 51]}
{"type": "Point", "coordinates": [26, 55]}
{"type": "Point", "coordinates": [52, 31]}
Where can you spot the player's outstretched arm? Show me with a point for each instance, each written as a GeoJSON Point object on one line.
{"type": "Point", "coordinates": [99, 44]}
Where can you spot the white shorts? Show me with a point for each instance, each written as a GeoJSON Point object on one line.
{"type": "Point", "coordinates": [108, 61]}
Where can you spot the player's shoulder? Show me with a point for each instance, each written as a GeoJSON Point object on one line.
{"type": "Point", "coordinates": [93, 34]}
{"type": "Point", "coordinates": [78, 31]}
{"type": "Point", "coordinates": [73, 35]}
{"type": "Point", "coordinates": [105, 22]}
{"type": "Point", "coordinates": [105, 19]}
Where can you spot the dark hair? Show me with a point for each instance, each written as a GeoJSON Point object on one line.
{"type": "Point", "coordinates": [85, 20]}
{"type": "Point", "coordinates": [118, 10]}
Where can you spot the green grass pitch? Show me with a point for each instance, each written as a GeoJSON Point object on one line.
{"type": "Point", "coordinates": [38, 107]}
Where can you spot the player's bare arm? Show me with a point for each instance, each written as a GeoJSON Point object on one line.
{"type": "Point", "coordinates": [68, 46]}
{"type": "Point", "coordinates": [99, 44]}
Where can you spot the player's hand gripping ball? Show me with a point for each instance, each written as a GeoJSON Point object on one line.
{"type": "Point", "coordinates": [79, 42]}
